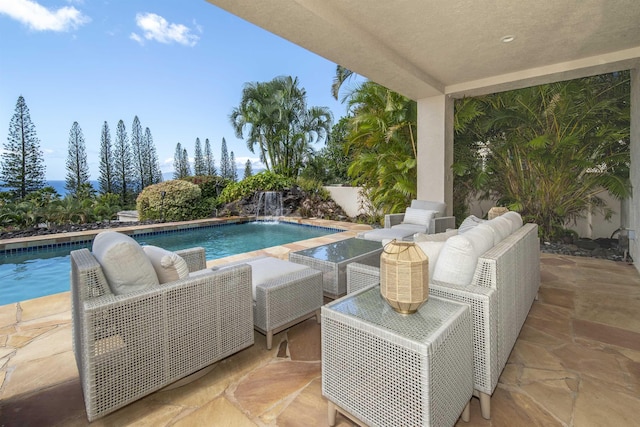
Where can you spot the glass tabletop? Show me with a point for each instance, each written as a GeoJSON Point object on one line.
{"type": "Point", "coordinates": [342, 250]}
{"type": "Point", "coordinates": [420, 326]}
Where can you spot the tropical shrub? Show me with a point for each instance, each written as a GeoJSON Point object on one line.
{"type": "Point", "coordinates": [548, 151]}
{"type": "Point", "coordinates": [175, 200]}
{"type": "Point", "coordinates": [312, 186]}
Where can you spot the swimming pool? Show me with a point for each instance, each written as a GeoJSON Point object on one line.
{"type": "Point", "coordinates": [36, 273]}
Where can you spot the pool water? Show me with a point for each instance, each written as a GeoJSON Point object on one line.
{"type": "Point", "coordinates": [37, 273]}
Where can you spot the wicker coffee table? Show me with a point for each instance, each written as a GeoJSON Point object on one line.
{"type": "Point", "coordinates": [382, 368]}
{"type": "Point", "coordinates": [332, 260]}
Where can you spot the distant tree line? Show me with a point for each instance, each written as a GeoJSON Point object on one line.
{"type": "Point", "coordinates": [126, 166]}
{"type": "Point", "coordinates": [203, 162]}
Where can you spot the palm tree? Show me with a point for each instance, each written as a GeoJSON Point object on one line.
{"type": "Point", "coordinates": [383, 139]}
{"type": "Point", "coordinates": [274, 117]}
{"type": "Point", "coordinates": [551, 149]}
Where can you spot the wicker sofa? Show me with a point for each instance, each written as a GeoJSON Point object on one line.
{"type": "Point", "coordinates": [130, 345]}
{"type": "Point", "coordinates": [501, 292]}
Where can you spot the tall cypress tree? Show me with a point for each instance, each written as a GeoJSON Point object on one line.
{"type": "Point", "coordinates": [248, 170]}
{"type": "Point", "coordinates": [225, 166]}
{"type": "Point", "coordinates": [151, 163]}
{"type": "Point", "coordinates": [22, 161]}
{"type": "Point", "coordinates": [177, 162]}
{"type": "Point", "coordinates": [138, 154]}
{"type": "Point", "coordinates": [209, 163]}
{"type": "Point", "coordinates": [198, 159]}
{"type": "Point", "coordinates": [123, 181]}
{"type": "Point", "coordinates": [186, 167]}
{"type": "Point", "coordinates": [77, 180]}
{"type": "Point", "coordinates": [106, 178]}
{"type": "Point", "coordinates": [233, 173]}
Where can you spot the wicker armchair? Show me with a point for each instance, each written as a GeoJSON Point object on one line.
{"type": "Point", "coordinates": [438, 224]}
{"type": "Point", "coordinates": [128, 346]}
{"type": "Point", "coordinates": [403, 226]}
{"type": "Point", "coordinates": [505, 283]}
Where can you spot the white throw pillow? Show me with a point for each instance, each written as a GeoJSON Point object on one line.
{"type": "Point", "coordinates": [436, 237]}
{"type": "Point", "coordinates": [432, 251]}
{"type": "Point", "coordinates": [124, 263]}
{"type": "Point", "coordinates": [515, 218]}
{"type": "Point", "coordinates": [169, 266]}
{"type": "Point", "coordinates": [469, 222]}
{"type": "Point", "coordinates": [420, 217]}
{"type": "Point", "coordinates": [456, 262]}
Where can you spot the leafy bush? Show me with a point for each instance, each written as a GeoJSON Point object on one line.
{"type": "Point", "coordinates": [263, 181]}
{"type": "Point", "coordinates": [182, 201]}
{"type": "Point", "coordinates": [313, 186]}
{"type": "Point", "coordinates": [106, 206]}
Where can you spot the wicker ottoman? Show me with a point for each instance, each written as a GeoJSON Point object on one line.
{"type": "Point", "coordinates": [284, 294]}
{"type": "Point", "coordinates": [382, 368]}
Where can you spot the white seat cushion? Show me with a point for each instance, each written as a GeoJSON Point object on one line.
{"type": "Point", "coordinates": [124, 263]}
{"type": "Point", "coordinates": [169, 266]}
{"type": "Point", "coordinates": [269, 268]}
{"type": "Point", "coordinates": [432, 251]}
{"type": "Point", "coordinates": [387, 234]}
{"type": "Point", "coordinates": [413, 228]}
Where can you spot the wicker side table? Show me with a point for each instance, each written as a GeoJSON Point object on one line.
{"type": "Point", "coordinates": [332, 259]}
{"type": "Point", "coordinates": [382, 368]}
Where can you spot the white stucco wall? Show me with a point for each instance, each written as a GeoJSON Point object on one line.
{"type": "Point", "coordinates": [593, 226]}
{"type": "Point", "coordinates": [349, 198]}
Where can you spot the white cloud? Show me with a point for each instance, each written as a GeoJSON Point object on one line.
{"type": "Point", "coordinates": [39, 18]}
{"type": "Point", "coordinates": [155, 27]}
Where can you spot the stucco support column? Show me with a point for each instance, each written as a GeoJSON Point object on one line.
{"type": "Point", "coordinates": [633, 213]}
{"type": "Point", "coordinates": [435, 150]}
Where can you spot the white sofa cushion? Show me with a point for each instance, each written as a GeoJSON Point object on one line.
{"type": "Point", "coordinates": [469, 222]}
{"type": "Point", "coordinates": [459, 256]}
{"type": "Point", "coordinates": [268, 268]}
{"type": "Point", "coordinates": [481, 238]}
{"type": "Point", "coordinates": [124, 263]}
{"type": "Point", "coordinates": [437, 237]}
{"type": "Point", "coordinates": [456, 262]}
{"type": "Point", "coordinates": [169, 266]}
{"type": "Point", "coordinates": [421, 217]}
{"type": "Point", "coordinates": [515, 218]}
{"type": "Point", "coordinates": [501, 228]}
{"type": "Point", "coordinates": [432, 251]}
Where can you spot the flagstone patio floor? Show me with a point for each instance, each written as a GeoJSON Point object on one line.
{"type": "Point", "coordinates": [576, 363]}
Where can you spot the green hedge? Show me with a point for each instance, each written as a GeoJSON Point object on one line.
{"type": "Point", "coordinates": [182, 201]}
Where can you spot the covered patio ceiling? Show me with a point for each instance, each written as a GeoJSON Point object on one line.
{"type": "Point", "coordinates": [426, 48]}
{"type": "Point", "coordinates": [433, 51]}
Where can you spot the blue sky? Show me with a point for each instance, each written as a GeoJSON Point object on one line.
{"type": "Point", "coordinates": [178, 65]}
